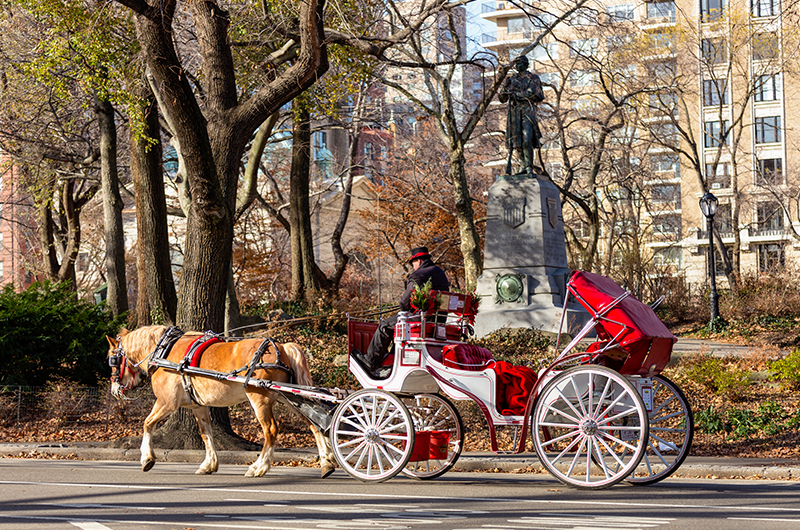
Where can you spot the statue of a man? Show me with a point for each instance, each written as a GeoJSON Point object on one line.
{"type": "Point", "coordinates": [523, 91]}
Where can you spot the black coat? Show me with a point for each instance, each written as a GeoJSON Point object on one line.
{"type": "Point", "coordinates": [427, 270]}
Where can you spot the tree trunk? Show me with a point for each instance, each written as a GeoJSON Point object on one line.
{"type": "Point", "coordinates": [465, 216]}
{"type": "Point", "coordinates": [304, 280]}
{"type": "Point", "coordinates": [157, 298]}
{"type": "Point", "coordinates": [117, 294]}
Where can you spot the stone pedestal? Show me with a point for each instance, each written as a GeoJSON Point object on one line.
{"type": "Point", "coordinates": [523, 284]}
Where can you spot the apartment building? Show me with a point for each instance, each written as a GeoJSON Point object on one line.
{"type": "Point", "coordinates": [706, 89]}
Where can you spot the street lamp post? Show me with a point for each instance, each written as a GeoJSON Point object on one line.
{"type": "Point", "coordinates": [708, 205]}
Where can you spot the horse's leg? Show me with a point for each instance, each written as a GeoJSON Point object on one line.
{"type": "Point", "coordinates": [159, 412]}
{"type": "Point", "coordinates": [262, 406]}
{"type": "Point", "coordinates": [210, 464]}
{"type": "Point", "coordinates": [327, 462]}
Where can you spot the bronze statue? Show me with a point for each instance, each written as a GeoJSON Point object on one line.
{"type": "Point", "coordinates": [523, 91]}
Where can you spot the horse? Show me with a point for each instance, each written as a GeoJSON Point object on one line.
{"type": "Point", "coordinates": [131, 349]}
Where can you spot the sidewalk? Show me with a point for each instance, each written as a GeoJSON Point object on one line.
{"type": "Point", "coordinates": [693, 467]}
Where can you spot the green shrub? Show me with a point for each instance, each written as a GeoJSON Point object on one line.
{"type": "Point", "coordinates": [787, 370]}
{"type": "Point", "coordinates": [719, 377]}
{"type": "Point", "coordinates": [46, 332]}
{"type": "Point", "coordinates": [709, 421]}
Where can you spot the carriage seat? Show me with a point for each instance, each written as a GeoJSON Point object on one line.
{"type": "Point", "coordinates": [467, 357]}
{"type": "Point", "coordinates": [513, 383]}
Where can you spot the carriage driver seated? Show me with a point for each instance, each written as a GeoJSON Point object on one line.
{"type": "Point", "coordinates": [424, 270]}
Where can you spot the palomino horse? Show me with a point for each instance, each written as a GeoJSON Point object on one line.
{"type": "Point", "coordinates": [136, 347]}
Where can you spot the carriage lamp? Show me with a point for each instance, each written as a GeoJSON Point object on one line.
{"type": "Point", "coordinates": [509, 287]}
{"type": "Point", "coordinates": [708, 205]}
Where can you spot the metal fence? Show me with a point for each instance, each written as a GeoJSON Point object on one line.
{"type": "Point", "coordinates": [70, 405]}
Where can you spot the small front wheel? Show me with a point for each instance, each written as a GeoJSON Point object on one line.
{"type": "Point", "coordinates": [590, 427]}
{"type": "Point", "coordinates": [372, 435]}
{"type": "Point", "coordinates": [438, 418]}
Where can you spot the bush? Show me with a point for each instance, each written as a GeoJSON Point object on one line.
{"type": "Point", "coordinates": [46, 332]}
{"type": "Point", "coordinates": [787, 371]}
{"type": "Point", "coordinates": [520, 346]}
{"type": "Point", "coordinates": [717, 376]}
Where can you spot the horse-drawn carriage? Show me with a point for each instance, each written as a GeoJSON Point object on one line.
{"type": "Point", "coordinates": [597, 415]}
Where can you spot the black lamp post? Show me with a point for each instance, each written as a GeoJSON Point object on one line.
{"type": "Point", "coordinates": [708, 205]}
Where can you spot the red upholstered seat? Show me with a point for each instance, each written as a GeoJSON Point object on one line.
{"type": "Point", "coordinates": [466, 357]}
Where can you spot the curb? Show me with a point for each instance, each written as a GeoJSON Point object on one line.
{"type": "Point", "coordinates": [467, 462]}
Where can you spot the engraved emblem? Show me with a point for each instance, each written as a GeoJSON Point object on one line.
{"type": "Point", "coordinates": [552, 211]}
{"type": "Point", "coordinates": [514, 211]}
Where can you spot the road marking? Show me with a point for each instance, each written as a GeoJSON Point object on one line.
{"type": "Point", "coordinates": [767, 519]}
{"type": "Point", "coordinates": [116, 506]}
{"type": "Point", "coordinates": [89, 526]}
{"type": "Point", "coordinates": [424, 498]}
{"type": "Point", "coordinates": [550, 521]}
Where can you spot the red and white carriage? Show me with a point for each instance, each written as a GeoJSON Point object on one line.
{"type": "Point", "coordinates": [596, 416]}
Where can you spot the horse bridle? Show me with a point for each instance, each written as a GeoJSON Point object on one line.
{"type": "Point", "coordinates": [119, 361]}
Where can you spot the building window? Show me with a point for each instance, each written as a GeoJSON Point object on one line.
{"type": "Point", "coordinates": [583, 17]}
{"type": "Point", "coordinates": [716, 133]}
{"type": "Point", "coordinates": [583, 48]}
{"type": "Point", "coordinates": [715, 92]}
{"type": "Point", "coordinates": [770, 172]}
{"type": "Point", "coordinates": [619, 13]}
{"type": "Point", "coordinates": [1, 269]}
{"type": "Point", "coordinates": [767, 87]}
{"type": "Point", "coordinates": [724, 220]}
{"type": "Point", "coordinates": [711, 10]}
{"type": "Point", "coordinates": [771, 257]}
{"type": "Point", "coordinates": [545, 52]}
{"type": "Point", "coordinates": [767, 129]}
{"type": "Point", "coordinates": [765, 46]}
{"type": "Point", "coordinates": [667, 257]}
{"type": "Point", "coordinates": [770, 218]}
{"type": "Point", "coordinates": [657, 11]}
{"type": "Point", "coordinates": [369, 152]}
{"type": "Point", "coordinates": [664, 103]}
{"type": "Point", "coordinates": [582, 78]}
{"type": "Point", "coordinates": [667, 196]}
{"type": "Point", "coordinates": [520, 25]}
{"type": "Point", "coordinates": [668, 225]}
{"type": "Point", "coordinates": [719, 176]}
{"type": "Point", "coordinates": [714, 51]}
{"type": "Point", "coordinates": [662, 163]}
{"type": "Point", "coordinates": [764, 8]}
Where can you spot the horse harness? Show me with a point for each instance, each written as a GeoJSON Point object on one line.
{"type": "Point", "coordinates": [194, 352]}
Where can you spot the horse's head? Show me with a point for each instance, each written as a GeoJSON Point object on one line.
{"type": "Point", "coordinates": [124, 373]}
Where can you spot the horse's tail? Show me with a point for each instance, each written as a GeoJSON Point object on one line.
{"type": "Point", "coordinates": [298, 363]}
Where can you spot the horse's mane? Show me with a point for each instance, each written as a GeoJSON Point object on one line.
{"type": "Point", "coordinates": [140, 342]}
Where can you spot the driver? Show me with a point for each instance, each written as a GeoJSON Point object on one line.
{"type": "Point", "coordinates": [424, 270]}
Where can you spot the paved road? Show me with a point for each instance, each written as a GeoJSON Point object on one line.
{"type": "Point", "coordinates": [103, 495]}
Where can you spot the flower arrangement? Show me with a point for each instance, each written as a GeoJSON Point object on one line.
{"type": "Point", "coordinates": [423, 300]}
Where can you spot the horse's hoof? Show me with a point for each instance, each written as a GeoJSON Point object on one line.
{"type": "Point", "coordinates": [326, 470]}
{"type": "Point", "coordinates": [202, 471]}
{"type": "Point", "coordinates": [147, 466]}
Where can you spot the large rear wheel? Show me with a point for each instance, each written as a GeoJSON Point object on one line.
{"type": "Point", "coordinates": [589, 427]}
{"type": "Point", "coordinates": [372, 435]}
{"type": "Point", "coordinates": [671, 433]}
{"type": "Point", "coordinates": [436, 417]}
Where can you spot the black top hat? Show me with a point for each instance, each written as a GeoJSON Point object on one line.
{"type": "Point", "coordinates": [419, 253]}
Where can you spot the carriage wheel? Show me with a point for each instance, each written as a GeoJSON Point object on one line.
{"type": "Point", "coordinates": [589, 427]}
{"type": "Point", "coordinates": [671, 432]}
{"type": "Point", "coordinates": [437, 414]}
{"type": "Point", "coordinates": [372, 435]}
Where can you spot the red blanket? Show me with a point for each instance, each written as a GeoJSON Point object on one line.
{"type": "Point", "coordinates": [514, 385]}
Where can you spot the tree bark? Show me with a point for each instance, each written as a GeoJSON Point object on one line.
{"type": "Point", "coordinates": [117, 293]}
{"type": "Point", "coordinates": [157, 298]}
{"type": "Point", "coordinates": [304, 279]}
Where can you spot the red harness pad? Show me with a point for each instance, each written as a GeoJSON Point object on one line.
{"type": "Point", "coordinates": [196, 349]}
